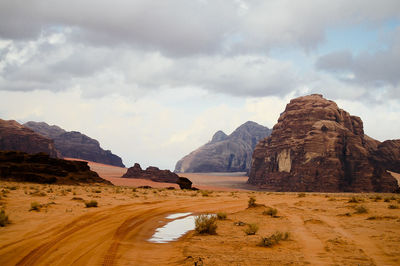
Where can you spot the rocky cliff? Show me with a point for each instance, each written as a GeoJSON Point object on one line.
{"type": "Point", "coordinates": [225, 153]}
{"type": "Point", "coordinates": [15, 137]}
{"type": "Point", "coordinates": [151, 173]}
{"type": "Point", "coordinates": [316, 146]}
{"type": "Point", "coordinates": [40, 168]}
{"type": "Point", "coordinates": [75, 144]}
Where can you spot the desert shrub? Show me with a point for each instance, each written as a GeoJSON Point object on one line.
{"type": "Point", "coordinates": [301, 195]}
{"type": "Point", "coordinates": [91, 204]}
{"type": "Point", "coordinates": [205, 193]}
{"type": "Point", "coordinates": [221, 216]}
{"type": "Point", "coordinates": [252, 202]}
{"type": "Point", "coordinates": [251, 229]}
{"type": "Point", "coordinates": [68, 190]}
{"type": "Point", "coordinates": [271, 212]}
{"type": "Point", "coordinates": [386, 199]}
{"type": "Point", "coordinates": [377, 198]}
{"type": "Point", "coordinates": [77, 198]}
{"type": "Point", "coordinates": [273, 239]}
{"type": "Point", "coordinates": [398, 200]}
{"type": "Point", "coordinates": [35, 206]}
{"type": "Point", "coordinates": [354, 200]}
{"type": "Point", "coordinates": [12, 188]}
{"type": "Point", "coordinates": [392, 206]}
{"type": "Point", "coordinates": [3, 218]}
{"type": "Point", "coordinates": [205, 224]}
{"type": "Point", "coordinates": [361, 209]}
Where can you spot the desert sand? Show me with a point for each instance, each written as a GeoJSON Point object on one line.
{"type": "Point", "coordinates": [325, 229]}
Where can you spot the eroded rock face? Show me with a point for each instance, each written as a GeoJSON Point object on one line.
{"type": "Point", "coordinates": [75, 144]}
{"type": "Point", "coordinates": [387, 154]}
{"type": "Point", "coordinates": [40, 168]}
{"type": "Point", "coordinates": [15, 137]}
{"type": "Point", "coordinates": [315, 146]}
{"type": "Point", "coordinates": [225, 153]}
{"type": "Point", "coordinates": [151, 173]}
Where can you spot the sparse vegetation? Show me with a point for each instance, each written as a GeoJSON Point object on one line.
{"type": "Point", "coordinates": [206, 224]}
{"type": "Point", "coordinates": [221, 216]}
{"type": "Point", "coordinates": [3, 218]}
{"type": "Point", "coordinates": [273, 239]}
{"type": "Point", "coordinates": [354, 200]}
{"type": "Point", "coordinates": [251, 229]}
{"type": "Point", "coordinates": [301, 195]}
{"type": "Point", "coordinates": [271, 212]}
{"type": "Point", "coordinates": [91, 204]}
{"type": "Point", "coordinates": [392, 206]}
{"type": "Point", "coordinates": [35, 206]}
{"type": "Point", "coordinates": [361, 209]}
{"type": "Point", "coordinates": [252, 202]}
{"type": "Point", "coordinates": [205, 193]}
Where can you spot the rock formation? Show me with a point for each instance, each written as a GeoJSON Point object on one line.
{"type": "Point", "coordinates": [387, 154]}
{"type": "Point", "coordinates": [75, 144]}
{"type": "Point", "coordinates": [184, 183]}
{"type": "Point", "coordinates": [315, 146]}
{"type": "Point", "coordinates": [40, 168]}
{"type": "Point", "coordinates": [15, 137]}
{"type": "Point", "coordinates": [225, 153]}
{"type": "Point", "coordinates": [151, 173]}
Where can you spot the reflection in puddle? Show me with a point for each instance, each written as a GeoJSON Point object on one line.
{"type": "Point", "coordinates": [174, 229]}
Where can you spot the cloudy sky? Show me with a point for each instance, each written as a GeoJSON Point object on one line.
{"type": "Point", "coordinates": [153, 80]}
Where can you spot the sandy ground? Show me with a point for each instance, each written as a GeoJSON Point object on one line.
{"type": "Point", "coordinates": [325, 229]}
{"type": "Point", "coordinates": [212, 181]}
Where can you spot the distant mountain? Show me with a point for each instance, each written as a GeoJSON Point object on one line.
{"type": "Point", "coordinates": [225, 153]}
{"type": "Point", "coordinates": [75, 144]}
{"type": "Point", "coordinates": [15, 137]}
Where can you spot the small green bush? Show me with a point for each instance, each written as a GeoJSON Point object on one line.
{"type": "Point", "coordinates": [221, 216]}
{"type": "Point", "coordinates": [3, 218]}
{"type": "Point", "coordinates": [273, 239]}
{"type": "Point", "coordinates": [252, 202]}
{"type": "Point", "coordinates": [271, 212]}
{"type": "Point", "coordinates": [251, 229]}
{"type": "Point", "coordinates": [91, 204]}
{"type": "Point", "coordinates": [206, 224]}
{"type": "Point", "coordinates": [392, 206]}
{"type": "Point", "coordinates": [361, 209]}
{"type": "Point", "coordinates": [35, 206]}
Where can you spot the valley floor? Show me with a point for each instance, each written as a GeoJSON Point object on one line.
{"type": "Point", "coordinates": [325, 229]}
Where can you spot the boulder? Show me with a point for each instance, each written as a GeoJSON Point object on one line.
{"type": "Point", "coordinates": [184, 183]}
{"type": "Point", "coordinates": [41, 168]}
{"type": "Point", "coordinates": [225, 153]}
{"type": "Point", "coordinates": [316, 146]}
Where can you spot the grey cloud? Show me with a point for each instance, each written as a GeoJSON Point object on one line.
{"type": "Point", "coordinates": [378, 69]}
{"type": "Point", "coordinates": [183, 28]}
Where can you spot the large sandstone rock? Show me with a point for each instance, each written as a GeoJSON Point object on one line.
{"type": "Point", "coordinates": [15, 137]}
{"type": "Point", "coordinates": [315, 146]}
{"type": "Point", "coordinates": [75, 144]}
{"type": "Point", "coordinates": [225, 153]}
{"type": "Point", "coordinates": [387, 154]}
{"type": "Point", "coordinates": [151, 173]}
{"type": "Point", "coordinates": [40, 168]}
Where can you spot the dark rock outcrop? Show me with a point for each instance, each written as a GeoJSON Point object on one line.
{"type": "Point", "coordinates": [74, 144]}
{"type": "Point", "coordinates": [15, 137]}
{"type": "Point", "coordinates": [225, 153]}
{"type": "Point", "coordinates": [315, 146]}
{"type": "Point", "coordinates": [184, 183]}
{"type": "Point", "coordinates": [387, 155]}
{"type": "Point", "coordinates": [40, 168]}
{"type": "Point", "coordinates": [151, 173]}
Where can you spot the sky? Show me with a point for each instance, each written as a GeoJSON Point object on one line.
{"type": "Point", "coordinates": [154, 80]}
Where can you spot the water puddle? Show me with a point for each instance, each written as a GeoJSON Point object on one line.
{"type": "Point", "coordinates": [174, 229]}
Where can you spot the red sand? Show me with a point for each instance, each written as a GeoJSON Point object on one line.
{"type": "Point", "coordinates": [202, 181]}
